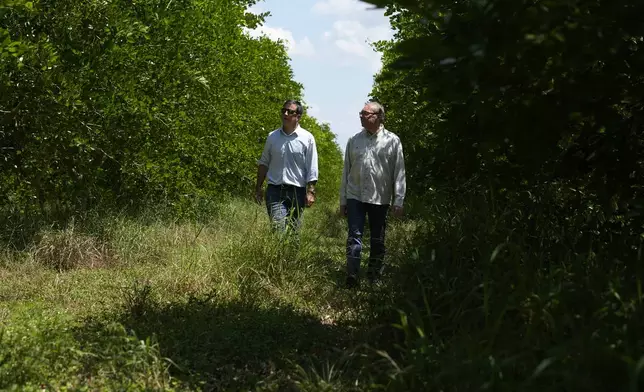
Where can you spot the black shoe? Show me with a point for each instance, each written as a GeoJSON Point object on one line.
{"type": "Point", "coordinates": [374, 275]}
{"type": "Point", "coordinates": [351, 282]}
{"type": "Point", "coordinates": [375, 281]}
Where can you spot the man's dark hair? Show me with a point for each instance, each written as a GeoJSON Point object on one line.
{"type": "Point", "coordinates": [299, 108]}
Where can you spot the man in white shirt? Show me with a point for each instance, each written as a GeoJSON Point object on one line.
{"type": "Point", "coordinates": [373, 178]}
{"type": "Point", "coordinates": [290, 161]}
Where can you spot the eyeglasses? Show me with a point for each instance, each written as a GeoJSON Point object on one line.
{"type": "Point", "coordinates": [289, 112]}
{"type": "Point", "coordinates": [366, 114]}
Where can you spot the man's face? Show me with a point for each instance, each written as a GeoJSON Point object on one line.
{"type": "Point", "coordinates": [369, 117]}
{"type": "Point", "coordinates": [289, 115]}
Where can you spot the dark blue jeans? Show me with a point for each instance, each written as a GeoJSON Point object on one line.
{"type": "Point", "coordinates": [285, 205]}
{"type": "Point", "coordinates": [356, 215]}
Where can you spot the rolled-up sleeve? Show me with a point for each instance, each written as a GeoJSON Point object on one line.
{"type": "Point", "coordinates": [400, 185]}
{"type": "Point", "coordinates": [312, 161]}
{"type": "Point", "coordinates": [345, 175]}
{"type": "Point", "coordinates": [266, 154]}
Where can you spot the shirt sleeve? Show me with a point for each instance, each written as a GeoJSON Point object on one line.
{"type": "Point", "coordinates": [400, 185]}
{"type": "Point", "coordinates": [345, 174]}
{"type": "Point", "coordinates": [312, 161]}
{"type": "Point", "coordinates": [265, 159]}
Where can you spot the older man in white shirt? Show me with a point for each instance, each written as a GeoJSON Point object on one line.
{"type": "Point", "coordinates": [373, 179]}
{"type": "Point", "coordinates": [290, 161]}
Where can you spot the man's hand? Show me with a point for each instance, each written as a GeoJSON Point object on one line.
{"type": "Point", "coordinates": [259, 196]}
{"type": "Point", "coordinates": [343, 210]}
{"type": "Point", "coordinates": [397, 211]}
{"type": "Point", "coordinates": [310, 198]}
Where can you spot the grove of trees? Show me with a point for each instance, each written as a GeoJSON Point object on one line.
{"type": "Point", "coordinates": [128, 104]}
{"type": "Point", "coordinates": [522, 127]}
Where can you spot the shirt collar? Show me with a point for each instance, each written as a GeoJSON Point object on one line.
{"type": "Point", "coordinates": [297, 128]}
{"type": "Point", "coordinates": [380, 130]}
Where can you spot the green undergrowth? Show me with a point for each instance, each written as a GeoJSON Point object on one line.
{"type": "Point", "coordinates": [223, 305]}
{"type": "Point", "coordinates": [149, 304]}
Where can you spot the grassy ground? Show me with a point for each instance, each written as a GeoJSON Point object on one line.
{"type": "Point", "coordinates": [477, 301]}
{"type": "Point", "coordinates": [159, 306]}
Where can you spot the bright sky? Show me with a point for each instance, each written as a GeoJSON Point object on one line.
{"type": "Point", "coordinates": [329, 45]}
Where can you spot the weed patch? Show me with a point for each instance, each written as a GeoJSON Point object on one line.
{"type": "Point", "coordinates": [69, 249]}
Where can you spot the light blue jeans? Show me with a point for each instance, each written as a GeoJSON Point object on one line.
{"type": "Point", "coordinates": [285, 206]}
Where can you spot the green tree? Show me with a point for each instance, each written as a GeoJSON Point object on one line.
{"type": "Point", "coordinates": [525, 118]}
{"type": "Point", "coordinates": [127, 104]}
{"type": "Point", "coordinates": [515, 93]}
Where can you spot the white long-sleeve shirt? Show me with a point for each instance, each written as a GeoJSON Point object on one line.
{"type": "Point", "coordinates": [290, 159]}
{"type": "Point", "coordinates": [374, 169]}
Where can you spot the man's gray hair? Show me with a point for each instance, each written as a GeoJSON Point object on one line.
{"type": "Point", "coordinates": [380, 110]}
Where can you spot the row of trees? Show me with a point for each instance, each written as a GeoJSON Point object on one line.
{"type": "Point", "coordinates": [519, 93]}
{"type": "Point", "coordinates": [127, 103]}
{"type": "Point", "coordinates": [536, 102]}
{"type": "Point", "coordinates": [522, 127]}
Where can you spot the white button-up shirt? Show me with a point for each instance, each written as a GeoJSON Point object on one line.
{"type": "Point", "coordinates": [290, 159]}
{"type": "Point", "coordinates": [374, 169]}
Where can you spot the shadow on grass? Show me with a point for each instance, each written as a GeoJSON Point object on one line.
{"type": "Point", "coordinates": [222, 345]}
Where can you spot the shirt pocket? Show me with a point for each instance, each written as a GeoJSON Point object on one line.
{"type": "Point", "coordinates": [296, 151]}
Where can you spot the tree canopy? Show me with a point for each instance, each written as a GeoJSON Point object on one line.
{"type": "Point", "coordinates": [130, 103]}
{"type": "Point", "coordinates": [522, 126]}
{"type": "Point", "coordinates": [518, 93]}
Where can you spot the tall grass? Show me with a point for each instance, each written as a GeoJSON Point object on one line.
{"type": "Point", "coordinates": [517, 297]}
{"type": "Point", "coordinates": [226, 301]}
{"type": "Point", "coordinates": [475, 297]}
{"type": "Point", "coordinates": [42, 349]}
